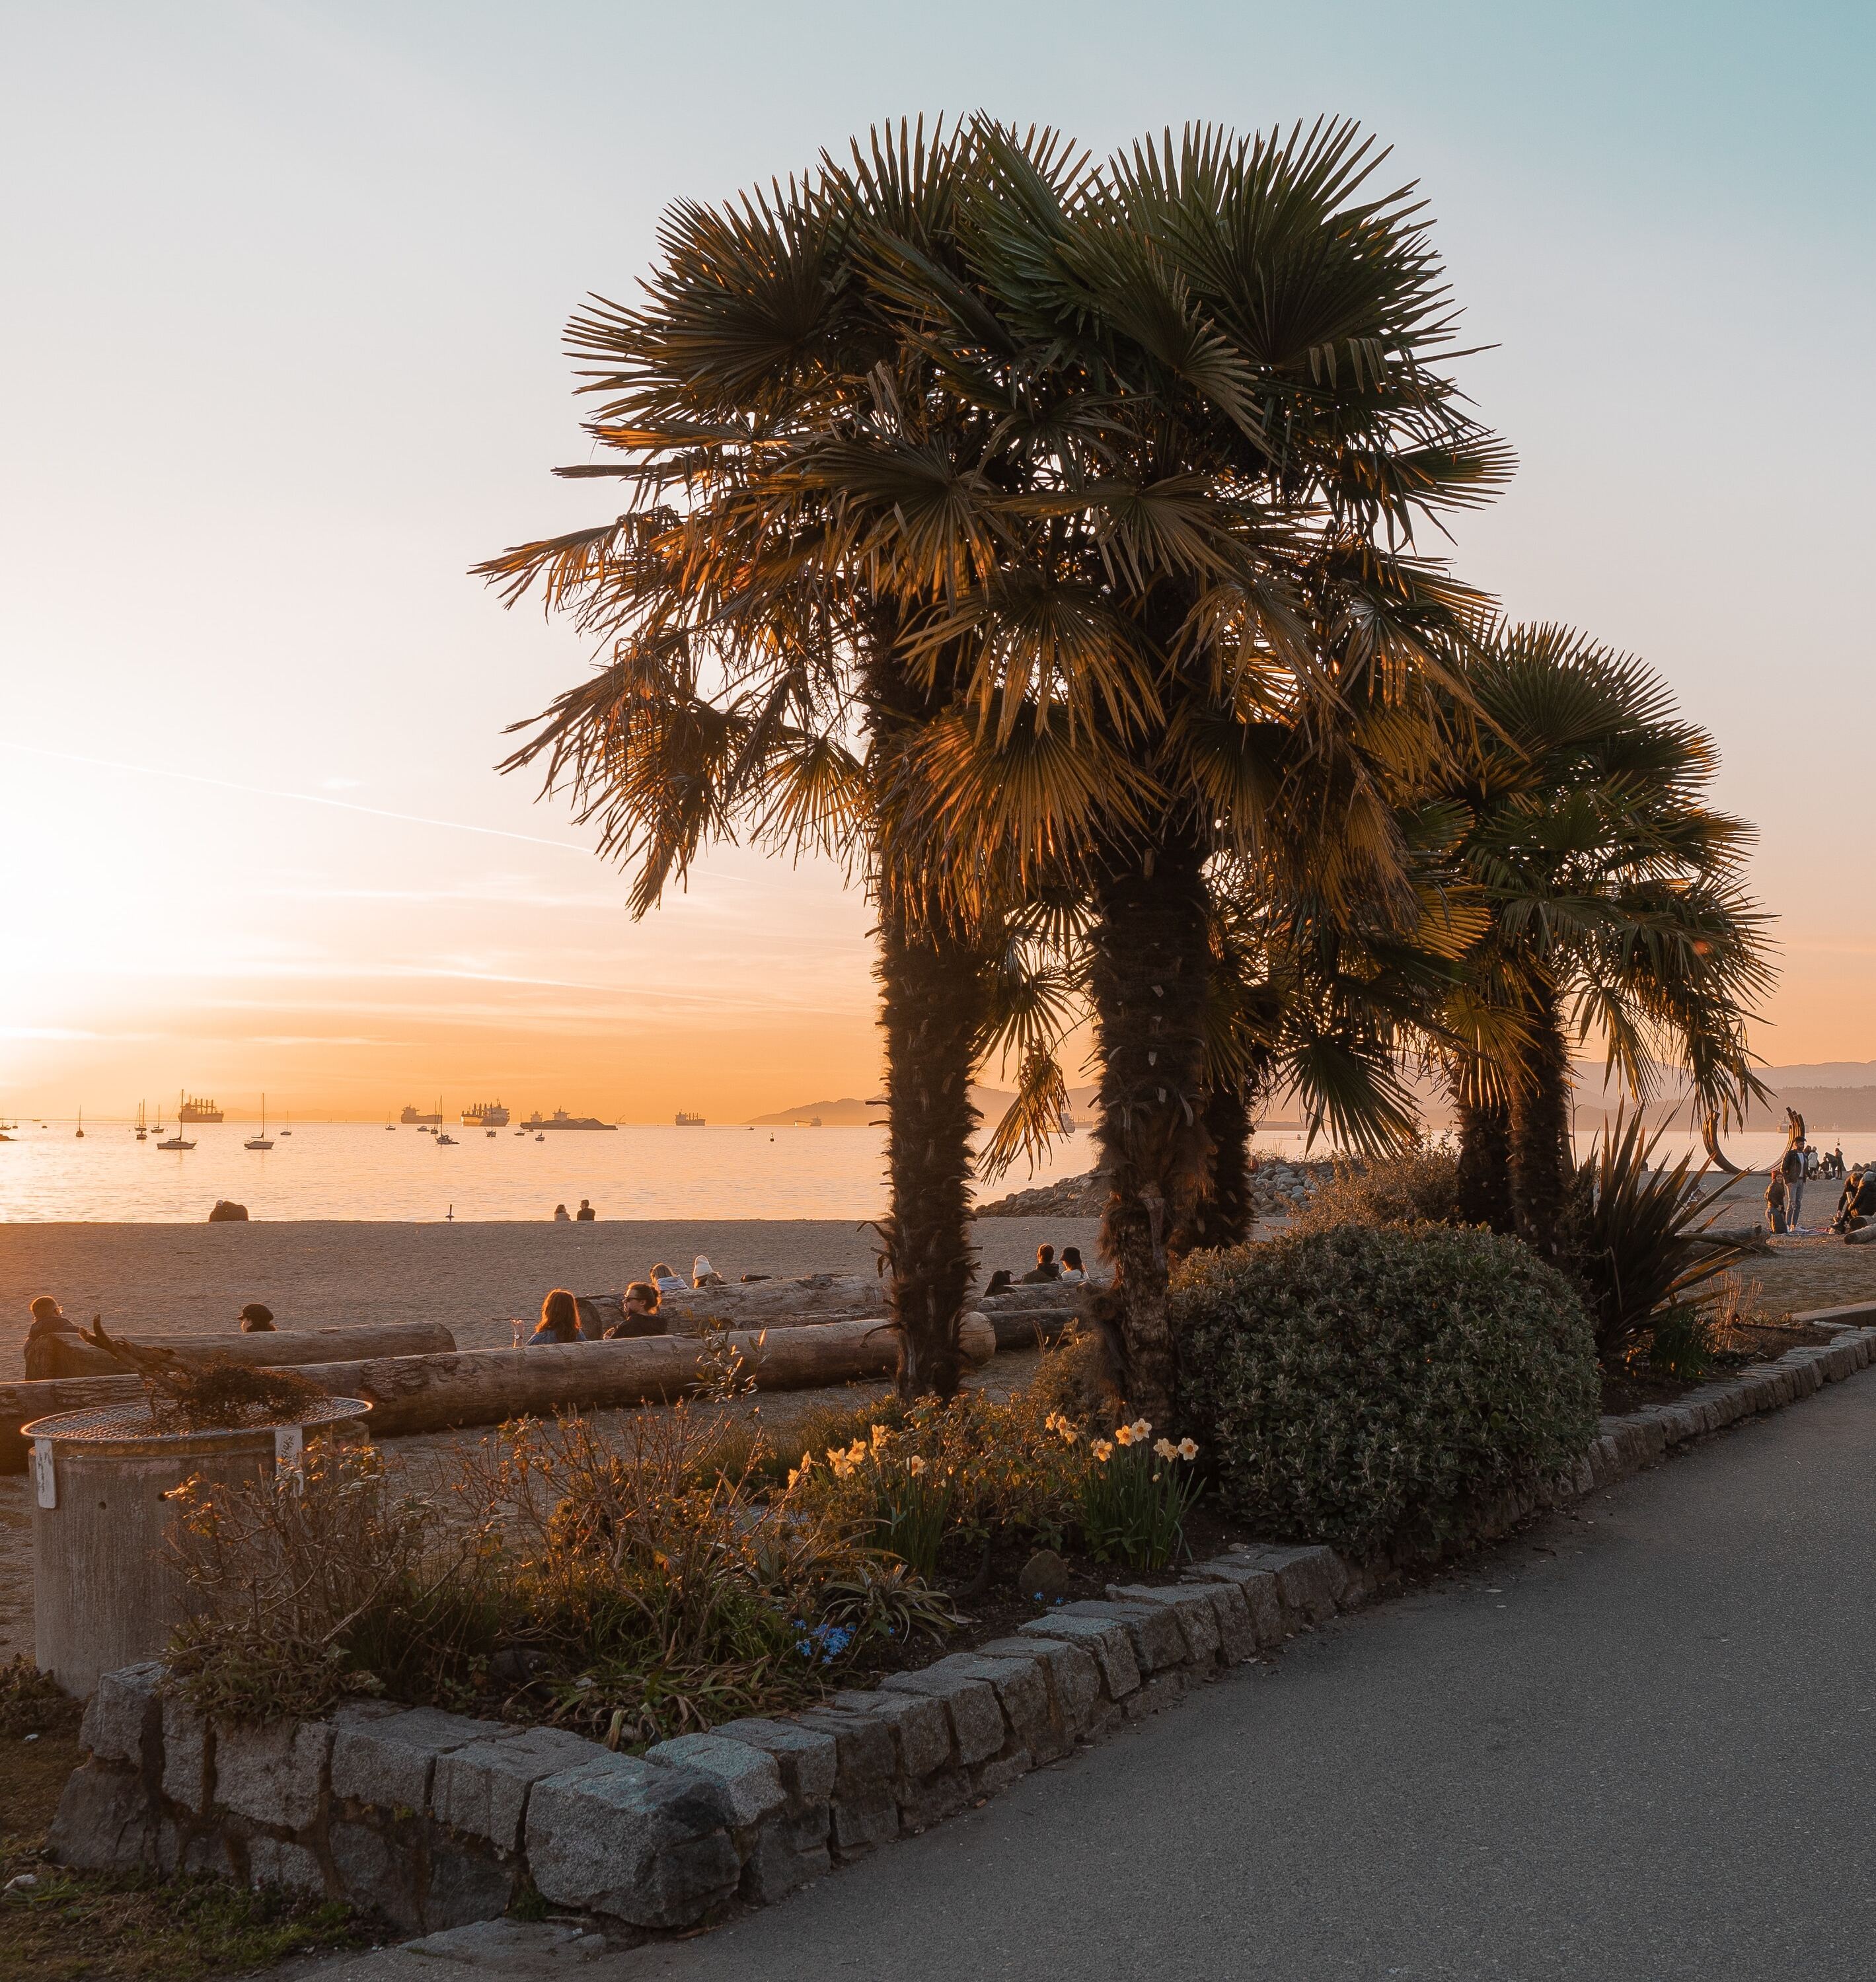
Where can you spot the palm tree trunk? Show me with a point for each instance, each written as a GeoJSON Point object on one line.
{"type": "Point", "coordinates": [1485, 1164]}
{"type": "Point", "coordinates": [932, 1004]}
{"type": "Point", "coordinates": [1150, 960]}
{"type": "Point", "coordinates": [1222, 1217]}
{"type": "Point", "coordinates": [1540, 1158]}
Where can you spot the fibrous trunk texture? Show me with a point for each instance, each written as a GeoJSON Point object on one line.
{"type": "Point", "coordinates": [1485, 1164]}
{"type": "Point", "coordinates": [932, 1003]}
{"type": "Point", "coordinates": [1148, 980]}
{"type": "Point", "coordinates": [1540, 1157]}
{"type": "Point", "coordinates": [1222, 1217]}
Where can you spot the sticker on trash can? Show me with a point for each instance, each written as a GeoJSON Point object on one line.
{"type": "Point", "coordinates": [290, 1449]}
{"type": "Point", "coordinates": [44, 1478]}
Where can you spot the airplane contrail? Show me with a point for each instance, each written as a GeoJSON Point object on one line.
{"type": "Point", "coordinates": [305, 798]}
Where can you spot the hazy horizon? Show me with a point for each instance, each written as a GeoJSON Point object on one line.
{"type": "Point", "coordinates": [285, 360]}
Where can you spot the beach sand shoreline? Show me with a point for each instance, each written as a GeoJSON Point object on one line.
{"type": "Point", "coordinates": [470, 1277]}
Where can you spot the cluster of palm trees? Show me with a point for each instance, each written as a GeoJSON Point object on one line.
{"type": "Point", "coordinates": [1040, 535]}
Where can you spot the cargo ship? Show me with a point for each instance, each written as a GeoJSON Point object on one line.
{"type": "Point", "coordinates": [192, 1108]}
{"type": "Point", "coordinates": [685, 1121]}
{"type": "Point", "coordinates": [560, 1119]}
{"type": "Point", "coordinates": [485, 1115]}
{"type": "Point", "coordinates": [411, 1115]}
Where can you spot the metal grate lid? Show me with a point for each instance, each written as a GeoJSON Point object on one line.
{"type": "Point", "coordinates": [116, 1421]}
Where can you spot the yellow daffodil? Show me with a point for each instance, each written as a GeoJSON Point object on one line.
{"type": "Point", "coordinates": [1164, 1448]}
{"type": "Point", "coordinates": [1102, 1450]}
{"type": "Point", "coordinates": [1141, 1428]}
{"type": "Point", "coordinates": [1187, 1449]}
{"type": "Point", "coordinates": [1125, 1435]}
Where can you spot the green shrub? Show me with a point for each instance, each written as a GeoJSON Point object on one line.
{"type": "Point", "coordinates": [1361, 1386]}
{"type": "Point", "coordinates": [1413, 1186]}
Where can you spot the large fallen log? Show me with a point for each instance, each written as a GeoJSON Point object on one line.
{"type": "Point", "coordinates": [66, 1356]}
{"type": "Point", "coordinates": [483, 1386]}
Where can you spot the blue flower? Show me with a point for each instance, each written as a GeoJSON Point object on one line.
{"type": "Point", "coordinates": [824, 1643]}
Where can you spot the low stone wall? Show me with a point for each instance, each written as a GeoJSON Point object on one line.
{"type": "Point", "coordinates": [437, 1820]}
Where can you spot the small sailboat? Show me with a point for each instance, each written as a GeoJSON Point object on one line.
{"type": "Point", "coordinates": [142, 1130]}
{"type": "Point", "coordinates": [390, 1127]}
{"type": "Point", "coordinates": [288, 1129]}
{"type": "Point", "coordinates": [175, 1142]}
{"type": "Point", "coordinates": [442, 1139]}
{"type": "Point", "coordinates": [260, 1141]}
{"type": "Point", "coordinates": [80, 1133]}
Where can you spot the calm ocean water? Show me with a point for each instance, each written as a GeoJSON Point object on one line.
{"type": "Point", "coordinates": [353, 1170]}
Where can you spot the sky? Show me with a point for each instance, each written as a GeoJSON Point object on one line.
{"type": "Point", "coordinates": [281, 358]}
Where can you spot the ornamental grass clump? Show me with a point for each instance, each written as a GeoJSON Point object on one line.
{"type": "Point", "coordinates": [1364, 1386]}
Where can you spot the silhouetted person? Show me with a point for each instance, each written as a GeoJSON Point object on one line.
{"type": "Point", "coordinates": [586, 1215]}
{"type": "Point", "coordinates": [560, 1215]}
{"type": "Point", "coordinates": [1793, 1165]}
{"type": "Point", "coordinates": [257, 1319]}
{"type": "Point", "coordinates": [640, 1313]}
{"type": "Point", "coordinates": [1775, 1200]}
{"type": "Point", "coordinates": [48, 1329]}
{"type": "Point", "coordinates": [1002, 1278]}
{"type": "Point", "coordinates": [559, 1320]}
{"type": "Point", "coordinates": [1073, 1273]}
{"type": "Point", "coordinates": [1044, 1269]}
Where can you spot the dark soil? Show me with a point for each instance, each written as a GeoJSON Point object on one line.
{"type": "Point", "coordinates": [1750, 1342]}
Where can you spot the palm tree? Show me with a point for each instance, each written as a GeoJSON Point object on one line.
{"type": "Point", "coordinates": [815, 479]}
{"type": "Point", "coordinates": [1617, 907]}
{"type": "Point", "coordinates": [1267, 334]}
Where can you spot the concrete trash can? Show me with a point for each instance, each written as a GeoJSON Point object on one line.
{"type": "Point", "coordinates": [106, 1593]}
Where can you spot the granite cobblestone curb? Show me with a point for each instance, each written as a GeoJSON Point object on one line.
{"type": "Point", "coordinates": [437, 1820]}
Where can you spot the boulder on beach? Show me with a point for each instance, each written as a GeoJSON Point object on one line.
{"type": "Point", "coordinates": [227, 1212]}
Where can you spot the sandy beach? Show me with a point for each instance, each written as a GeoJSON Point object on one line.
{"type": "Point", "coordinates": [190, 1278]}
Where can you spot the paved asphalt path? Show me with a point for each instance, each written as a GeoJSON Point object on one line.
{"type": "Point", "coordinates": [1636, 1745]}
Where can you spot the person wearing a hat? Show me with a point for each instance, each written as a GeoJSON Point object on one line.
{"type": "Point", "coordinates": [257, 1319]}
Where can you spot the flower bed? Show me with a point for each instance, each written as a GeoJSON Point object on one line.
{"type": "Point", "coordinates": [436, 1819]}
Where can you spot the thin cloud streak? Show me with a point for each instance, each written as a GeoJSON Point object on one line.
{"type": "Point", "coordinates": [304, 798]}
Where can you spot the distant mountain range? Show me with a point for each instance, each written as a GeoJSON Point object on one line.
{"type": "Point", "coordinates": [850, 1113]}
{"type": "Point", "coordinates": [1829, 1094]}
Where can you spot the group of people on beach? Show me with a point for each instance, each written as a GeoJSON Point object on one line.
{"type": "Point", "coordinates": [1801, 1164]}
{"type": "Point", "coordinates": [570, 1317]}
{"type": "Point", "coordinates": [1067, 1271]}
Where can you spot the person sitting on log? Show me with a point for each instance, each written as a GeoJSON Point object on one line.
{"type": "Point", "coordinates": [702, 1274]}
{"type": "Point", "coordinates": [257, 1319]}
{"type": "Point", "coordinates": [1073, 1274]}
{"type": "Point", "coordinates": [1002, 1278]}
{"type": "Point", "coordinates": [49, 1318]}
{"type": "Point", "coordinates": [1044, 1269]}
{"type": "Point", "coordinates": [667, 1282]}
{"type": "Point", "coordinates": [640, 1314]}
{"type": "Point", "coordinates": [559, 1320]}
{"type": "Point", "coordinates": [1857, 1204]}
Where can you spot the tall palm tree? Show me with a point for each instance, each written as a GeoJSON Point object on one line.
{"type": "Point", "coordinates": [1618, 901]}
{"type": "Point", "coordinates": [1268, 333]}
{"type": "Point", "coordinates": [815, 476]}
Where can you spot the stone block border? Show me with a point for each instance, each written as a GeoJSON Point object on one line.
{"type": "Point", "coordinates": [437, 1820]}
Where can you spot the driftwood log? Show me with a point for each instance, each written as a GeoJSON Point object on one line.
{"type": "Point", "coordinates": [484, 1386]}
{"type": "Point", "coordinates": [61, 1355]}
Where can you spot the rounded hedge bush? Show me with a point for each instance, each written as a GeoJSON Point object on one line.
{"type": "Point", "coordinates": [1362, 1386]}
